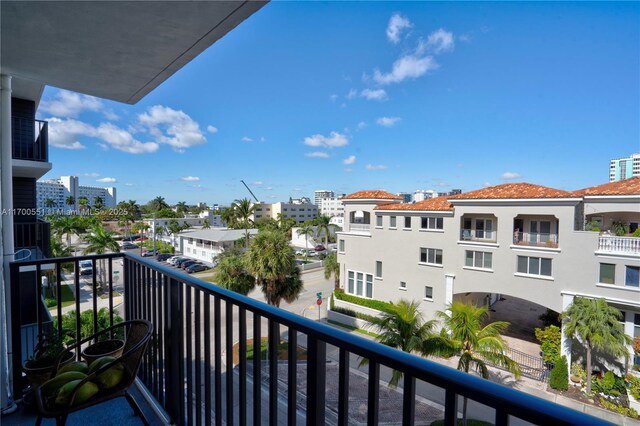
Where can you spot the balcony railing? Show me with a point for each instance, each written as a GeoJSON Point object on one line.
{"type": "Point", "coordinates": [619, 245]}
{"type": "Point", "coordinates": [535, 239]}
{"type": "Point", "coordinates": [197, 368]}
{"type": "Point", "coordinates": [30, 235]}
{"type": "Point", "coordinates": [30, 139]}
{"type": "Point", "coordinates": [359, 227]}
{"type": "Point", "coordinates": [477, 235]}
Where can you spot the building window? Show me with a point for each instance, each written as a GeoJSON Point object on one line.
{"type": "Point", "coordinates": [431, 255]}
{"type": "Point", "coordinates": [378, 269]}
{"type": "Point", "coordinates": [360, 284]}
{"type": "Point", "coordinates": [341, 246]}
{"type": "Point", "coordinates": [428, 292]}
{"type": "Point", "coordinates": [369, 286]}
{"type": "Point", "coordinates": [632, 276]}
{"type": "Point", "coordinates": [378, 220]}
{"type": "Point", "coordinates": [534, 265]}
{"type": "Point", "coordinates": [350, 286]}
{"type": "Point", "coordinates": [607, 273]}
{"type": "Point", "coordinates": [403, 285]}
{"type": "Point", "coordinates": [203, 253]}
{"type": "Point", "coordinates": [392, 222]}
{"type": "Point", "coordinates": [407, 222]}
{"type": "Point", "coordinates": [478, 259]}
{"type": "Point", "coordinates": [431, 223]}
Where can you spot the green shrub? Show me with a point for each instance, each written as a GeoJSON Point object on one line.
{"type": "Point", "coordinates": [578, 370]}
{"type": "Point", "coordinates": [619, 229]}
{"type": "Point", "coordinates": [629, 412]}
{"type": "Point", "coordinates": [636, 233]}
{"type": "Point", "coordinates": [368, 303]}
{"type": "Point", "coordinates": [610, 384]}
{"type": "Point", "coordinates": [50, 302]}
{"type": "Point", "coordinates": [549, 338]}
{"type": "Point", "coordinates": [354, 314]}
{"type": "Point", "coordinates": [634, 386]}
{"type": "Point", "coordinates": [559, 376]}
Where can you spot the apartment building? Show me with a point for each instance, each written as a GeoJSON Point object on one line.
{"type": "Point", "coordinates": [624, 168]}
{"type": "Point", "coordinates": [206, 244]}
{"type": "Point", "coordinates": [522, 240]}
{"type": "Point", "coordinates": [57, 191]}
{"type": "Point", "coordinates": [331, 206]}
{"type": "Point", "coordinates": [300, 210]}
{"type": "Point", "coordinates": [320, 194]}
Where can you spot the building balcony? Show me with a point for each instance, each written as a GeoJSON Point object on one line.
{"type": "Point", "coordinates": [619, 245]}
{"type": "Point", "coordinates": [30, 147]}
{"type": "Point", "coordinates": [363, 228]}
{"type": "Point", "coordinates": [197, 369]}
{"type": "Point", "coordinates": [33, 236]}
{"type": "Point", "coordinates": [478, 235]}
{"type": "Point", "coordinates": [535, 239]}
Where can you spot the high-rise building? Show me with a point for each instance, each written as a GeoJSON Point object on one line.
{"type": "Point", "coordinates": [331, 206]}
{"type": "Point", "coordinates": [422, 194]}
{"type": "Point", "coordinates": [624, 168]}
{"type": "Point", "coordinates": [406, 197]}
{"type": "Point", "coordinates": [52, 195]}
{"type": "Point", "coordinates": [322, 193]}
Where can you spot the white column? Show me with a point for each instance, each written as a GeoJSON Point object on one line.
{"type": "Point", "coordinates": [6, 237]}
{"type": "Point", "coordinates": [565, 342]}
{"type": "Point", "coordinates": [448, 291]}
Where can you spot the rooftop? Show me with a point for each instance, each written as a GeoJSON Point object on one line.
{"type": "Point", "coordinates": [375, 194]}
{"type": "Point", "coordinates": [219, 235]}
{"type": "Point", "coordinates": [514, 191]}
{"type": "Point", "coordinates": [431, 204]}
{"type": "Point", "coordinates": [629, 186]}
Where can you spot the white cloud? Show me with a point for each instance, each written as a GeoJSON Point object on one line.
{"type": "Point", "coordinates": [361, 125]}
{"type": "Point", "coordinates": [257, 183]}
{"type": "Point", "coordinates": [92, 174]}
{"type": "Point", "coordinates": [190, 178]}
{"type": "Point", "coordinates": [317, 154]}
{"type": "Point", "coordinates": [246, 139]}
{"type": "Point", "coordinates": [349, 160]}
{"type": "Point", "coordinates": [388, 121]}
{"type": "Point", "coordinates": [123, 140]}
{"type": "Point", "coordinates": [440, 41]}
{"type": "Point", "coordinates": [374, 94]}
{"type": "Point", "coordinates": [334, 140]}
{"type": "Point", "coordinates": [269, 188]}
{"type": "Point", "coordinates": [464, 37]}
{"type": "Point", "coordinates": [172, 127]}
{"type": "Point", "coordinates": [333, 97]}
{"type": "Point", "coordinates": [65, 133]}
{"type": "Point", "coordinates": [107, 180]}
{"type": "Point", "coordinates": [397, 23]}
{"type": "Point", "coordinates": [128, 184]}
{"type": "Point", "coordinates": [408, 66]}
{"type": "Point", "coordinates": [69, 104]}
{"type": "Point", "coordinates": [510, 176]}
{"type": "Point", "coordinates": [211, 129]}
{"type": "Point", "coordinates": [352, 94]}
{"type": "Point", "coordinates": [375, 167]}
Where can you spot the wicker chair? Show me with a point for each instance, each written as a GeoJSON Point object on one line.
{"type": "Point", "coordinates": [138, 334]}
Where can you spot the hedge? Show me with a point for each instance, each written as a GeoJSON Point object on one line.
{"type": "Point", "coordinates": [368, 303]}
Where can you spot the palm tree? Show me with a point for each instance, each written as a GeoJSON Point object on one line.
{"type": "Point", "coordinates": [70, 200]}
{"type": "Point", "coordinates": [271, 260]}
{"type": "Point", "coordinates": [50, 203]}
{"type": "Point", "coordinates": [158, 203]}
{"type": "Point", "coordinates": [323, 225]}
{"type": "Point", "coordinates": [228, 217]}
{"type": "Point", "coordinates": [307, 230]}
{"type": "Point", "coordinates": [242, 211]}
{"type": "Point", "coordinates": [598, 326]}
{"type": "Point", "coordinates": [404, 328]}
{"type": "Point", "coordinates": [99, 241]}
{"type": "Point", "coordinates": [331, 266]}
{"type": "Point", "coordinates": [66, 225]}
{"type": "Point", "coordinates": [98, 202]}
{"type": "Point", "coordinates": [465, 334]}
{"type": "Point", "coordinates": [160, 231]}
{"type": "Point", "coordinates": [206, 224]}
{"type": "Point", "coordinates": [181, 207]}
{"type": "Point", "coordinates": [230, 274]}
{"type": "Point", "coordinates": [58, 248]}
{"type": "Point", "coordinates": [83, 202]}
{"type": "Point", "coordinates": [285, 224]}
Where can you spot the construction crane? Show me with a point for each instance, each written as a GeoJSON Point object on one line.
{"type": "Point", "coordinates": [250, 191]}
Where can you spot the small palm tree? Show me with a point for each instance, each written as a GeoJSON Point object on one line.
{"type": "Point", "coordinates": [58, 248]}
{"type": "Point", "coordinates": [50, 203]}
{"type": "Point", "coordinates": [181, 207]}
{"type": "Point", "coordinates": [70, 200]}
{"type": "Point", "coordinates": [98, 202]}
{"type": "Point", "coordinates": [206, 224]}
{"type": "Point", "coordinates": [67, 225]}
{"type": "Point", "coordinates": [99, 241]}
{"type": "Point", "coordinates": [157, 204]}
{"type": "Point", "coordinates": [598, 326]}
{"type": "Point", "coordinates": [405, 329]}
{"type": "Point", "coordinates": [331, 266]}
{"type": "Point", "coordinates": [324, 227]}
{"type": "Point", "coordinates": [465, 334]}
{"type": "Point", "coordinates": [242, 211]}
{"type": "Point", "coordinates": [227, 217]}
{"type": "Point", "coordinates": [307, 230]}
{"type": "Point", "coordinates": [230, 274]}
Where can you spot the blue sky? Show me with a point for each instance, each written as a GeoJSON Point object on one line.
{"type": "Point", "coordinates": [371, 95]}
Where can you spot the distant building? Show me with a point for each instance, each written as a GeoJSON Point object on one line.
{"type": "Point", "coordinates": [421, 195]}
{"type": "Point", "coordinates": [331, 206]}
{"type": "Point", "coordinates": [300, 211]}
{"type": "Point", "coordinates": [59, 190]}
{"type": "Point", "coordinates": [624, 168]}
{"type": "Point", "coordinates": [196, 221]}
{"type": "Point", "coordinates": [322, 193]}
{"type": "Point", "coordinates": [406, 197]}
{"type": "Point", "coordinates": [206, 244]}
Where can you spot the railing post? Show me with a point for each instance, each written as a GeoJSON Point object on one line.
{"type": "Point", "coordinates": [16, 332]}
{"type": "Point", "coordinates": [175, 386]}
{"type": "Point", "coordinates": [316, 380]}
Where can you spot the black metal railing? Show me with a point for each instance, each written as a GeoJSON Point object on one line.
{"type": "Point", "coordinates": [30, 235]}
{"type": "Point", "coordinates": [531, 366]}
{"type": "Point", "coordinates": [197, 366]}
{"type": "Point", "coordinates": [30, 139]}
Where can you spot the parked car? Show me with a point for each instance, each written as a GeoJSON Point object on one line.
{"type": "Point", "coordinates": [131, 238]}
{"type": "Point", "coordinates": [319, 247]}
{"type": "Point", "coordinates": [188, 263]}
{"type": "Point", "coordinates": [141, 239]}
{"type": "Point", "coordinates": [312, 253]}
{"type": "Point", "coordinates": [173, 260]}
{"type": "Point", "coordinates": [163, 256]}
{"type": "Point", "coordinates": [128, 246]}
{"type": "Point", "coordinates": [196, 267]}
{"type": "Point", "coordinates": [86, 267]}
{"type": "Point", "coordinates": [178, 263]}
{"type": "Point", "coordinates": [149, 253]}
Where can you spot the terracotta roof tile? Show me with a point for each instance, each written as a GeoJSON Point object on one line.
{"type": "Point", "coordinates": [431, 204]}
{"type": "Point", "coordinates": [629, 186]}
{"type": "Point", "coordinates": [514, 191]}
{"type": "Point", "coordinates": [376, 194]}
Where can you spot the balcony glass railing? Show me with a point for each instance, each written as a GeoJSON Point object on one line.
{"type": "Point", "coordinates": [30, 139]}
{"type": "Point", "coordinates": [198, 369]}
{"type": "Point", "coordinates": [360, 227]}
{"type": "Point", "coordinates": [477, 235]}
{"type": "Point", "coordinates": [621, 245]}
{"type": "Point", "coordinates": [535, 239]}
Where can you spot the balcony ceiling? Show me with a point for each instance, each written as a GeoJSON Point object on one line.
{"type": "Point", "coordinates": [118, 50]}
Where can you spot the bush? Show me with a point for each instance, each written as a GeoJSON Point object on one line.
{"type": "Point", "coordinates": [634, 386]}
{"type": "Point", "coordinates": [636, 344]}
{"type": "Point", "coordinates": [549, 338]}
{"type": "Point", "coordinates": [578, 370]}
{"type": "Point", "coordinates": [354, 314]}
{"type": "Point", "coordinates": [368, 303]}
{"type": "Point", "coordinates": [629, 412]}
{"type": "Point", "coordinates": [610, 385]}
{"type": "Point", "coordinates": [50, 302]}
{"type": "Point", "coordinates": [559, 376]}
{"type": "Point", "coordinates": [636, 233]}
{"type": "Point", "coordinates": [86, 324]}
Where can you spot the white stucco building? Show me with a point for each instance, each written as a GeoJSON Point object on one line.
{"type": "Point", "coordinates": [300, 211]}
{"type": "Point", "coordinates": [522, 240]}
{"type": "Point", "coordinates": [206, 244]}
{"type": "Point", "coordinates": [58, 190]}
{"type": "Point", "coordinates": [331, 206]}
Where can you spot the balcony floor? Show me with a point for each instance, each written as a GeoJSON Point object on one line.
{"type": "Point", "coordinates": [117, 411]}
